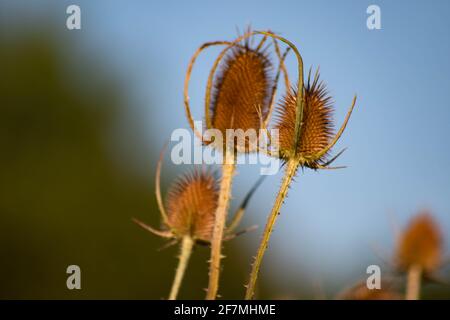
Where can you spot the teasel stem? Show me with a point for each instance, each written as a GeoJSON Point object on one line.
{"type": "Point", "coordinates": [228, 171]}
{"type": "Point", "coordinates": [291, 168]}
{"type": "Point", "coordinates": [413, 283]}
{"type": "Point", "coordinates": [186, 249]}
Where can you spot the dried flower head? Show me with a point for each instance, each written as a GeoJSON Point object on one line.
{"type": "Point", "coordinates": [190, 207]}
{"type": "Point", "coordinates": [317, 127]}
{"type": "Point", "coordinates": [191, 204]}
{"type": "Point", "coordinates": [361, 292]}
{"type": "Point", "coordinates": [242, 89]}
{"type": "Point", "coordinates": [305, 138]}
{"type": "Point", "coordinates": [420, 245]}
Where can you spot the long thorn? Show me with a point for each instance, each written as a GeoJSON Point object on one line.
{"type": "Point", "coordinates": [239, 233]}
{"type": "Point", "coordinates": [164, 234]}
{"type": "Point", "coordinates": [335, 157]}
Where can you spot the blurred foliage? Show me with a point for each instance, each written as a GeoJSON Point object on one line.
{"type": "Point", "coordinates": [63, 199]}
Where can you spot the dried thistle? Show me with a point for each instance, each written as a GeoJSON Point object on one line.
{"type": "Point", "coordinates": [242, 90]}
{"type": "Point", "coordinates": [419, 251]}
{"type": "Point", "coordinates": [191, 207]}
{"type": "Point", "coordinates": [317, 129]}
{"type": "Point", "coordinates": [191, 203]}
{"type": "Point", "coordinates": [239, 96]}
{"type": "Point", "coordinates": [305, 130]}
{"type": "Point", "coordinates": [420, 244]}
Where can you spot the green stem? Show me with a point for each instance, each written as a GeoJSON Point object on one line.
{"type": "Point", "coordinates": [186, 249]}
{"type": "Point", "coordinates": [413, 283]}
{"type": "Point", "coordinates": [291, 168]}
{"type": "Point", "coordinates": [228, 170]}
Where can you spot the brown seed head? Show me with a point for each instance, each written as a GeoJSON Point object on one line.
{"type": "Point", "coordinates": [191, 205]}
{"type": "Point", "coordinates": [317, 128]}
{"type": "Point", "coordinates": [242, 89]}
{"type": "Point", "coordinates": [420, 245]}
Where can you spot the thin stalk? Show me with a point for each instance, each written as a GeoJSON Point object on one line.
{"type": "Point", "coordinates": [413, 283]}
{"type": "Point", "coordinates": [186, 249]}
{"type": "Point", "coordinates": [228, 170]}
{"type": "Point", "coordinates": [291, 168]}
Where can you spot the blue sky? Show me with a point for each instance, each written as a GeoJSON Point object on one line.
{"type": "Point", "coordinates": [397, 153]}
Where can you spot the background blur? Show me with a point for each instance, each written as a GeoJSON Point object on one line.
{"type": "Point", "coordinates": [84, 114]}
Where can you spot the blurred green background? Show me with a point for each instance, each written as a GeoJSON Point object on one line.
{"type": "Point", "coordinates": [65, 198]}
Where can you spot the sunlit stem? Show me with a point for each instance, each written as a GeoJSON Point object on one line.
{"type": "Point", "coordinates": [413, 283]}
{"type": "Point", "coordinates": [291, 168]}
{"type": "Point", "coordinates": [228, 170]}
{"type": "Point", "coordinates": [186, 249]}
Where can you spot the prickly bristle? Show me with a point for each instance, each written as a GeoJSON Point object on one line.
{"type": "Point", "coordinates": [191, 205]}
{"type": "Point", "coordinates": [317, 129]}
{"type": "Point", "coordinates": [242, 89]}
{"type": "Point", "coordinates": [361, 292]}
{"type": "Point", "coordinates": [420, 244]}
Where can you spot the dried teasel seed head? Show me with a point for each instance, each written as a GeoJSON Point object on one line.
{"type": "Point", "coordinates": [317, 128]}
{"type": "Point", "coordinates": [420, 245]}
{"type": "Point", "coordinates": [191, 205]}
{"type": "Point", "coordinates": [242, 89]}
{"type": "Point", "coordinates": [361, 292]}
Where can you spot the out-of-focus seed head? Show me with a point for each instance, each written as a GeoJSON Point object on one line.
{"type": "Point", "coordinates": [242, 89]}
{"type": "Point", "coordinates": [317, 128]}
{"type": "Point", "coordinates": [420, 244]}
{"type": "Point", "coordinates": [191, 205]}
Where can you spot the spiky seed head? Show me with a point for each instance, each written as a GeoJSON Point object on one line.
{"type": "Point", "coordinates": [420, 244]}
{"type": "Point", "coordinates": [361, 292]}
{"type": "Point", "coordinates": [317, 128]}
{"type": "Point", "coordinates": [191, 205]}
{"type": "Point", "coordinates": [242, 89]}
